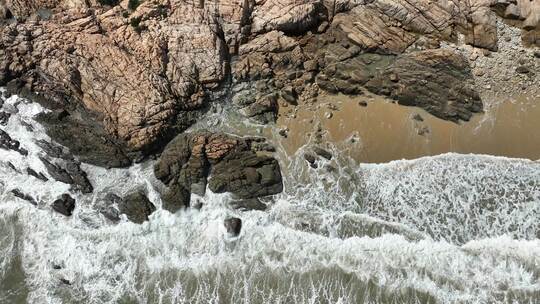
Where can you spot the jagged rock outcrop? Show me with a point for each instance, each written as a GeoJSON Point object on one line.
{"type": "Point", "coordinates": [65, 205]}
{"type": "Point", "coordinates": [439, 81]}
{"type": "Point", "coordinates": [7, 143]}
{"type": "Point", "coordinates": [125, 80]}
{"type": "Point", "coordinates": [63, 167]}
{"type": "Point", "coordinates": [224, 163]}
{"type": "Point", "coordinates": [136, 206]}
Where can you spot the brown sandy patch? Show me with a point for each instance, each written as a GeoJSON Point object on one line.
{"type": "Point", "coordinates": [384, 131]}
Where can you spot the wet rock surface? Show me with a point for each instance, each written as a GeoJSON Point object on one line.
{"type": "Point", "coordinates": [65, 205]}
{"type": "Point", "coordinates": [225, 163]}
{"type": "Point", "coordinates": [233, 225]}
{"type": "Point", "coordinates": [65, 168]}
{"type": "Point", "coordinates": [136, 206]}
{"type": "Point", "coordinates": [249, 204]}
{"type": "Point", "coordinates": [18, 193]}
{"type": "Point", "coordinates": [7, 143]}
{"type": "Point", "coordinates": [440, 81]}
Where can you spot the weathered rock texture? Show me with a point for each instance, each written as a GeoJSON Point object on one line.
{"type": "Point", "coordinates": [132, 79]}
{"type": "Point", "coordinates": [136, 206]}
{"type": "Point", "coordinates": [224, 163]}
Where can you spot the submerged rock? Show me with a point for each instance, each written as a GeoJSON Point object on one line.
{"type": "Point", "coordinates": [249, 204]}
{"type": "Point", "coordinates": [233, 225]}
{"type": "Point", "coordinates": [64, 205]}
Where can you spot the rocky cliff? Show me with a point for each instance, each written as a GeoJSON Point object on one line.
{"type": "Point", "coordinates": [131, 75]}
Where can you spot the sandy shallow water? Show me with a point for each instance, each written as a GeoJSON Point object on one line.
{"type": "Point", "coordinates": [384, 131]}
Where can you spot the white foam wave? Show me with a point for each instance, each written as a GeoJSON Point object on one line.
{"type": "Point", "coordinates": [446, 229]}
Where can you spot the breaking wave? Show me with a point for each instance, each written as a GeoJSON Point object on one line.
{"type": "Point", "coordinates": [445, 229]}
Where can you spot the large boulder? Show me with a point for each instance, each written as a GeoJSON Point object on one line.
{"type": "Point", "coordinates": [225, 163]}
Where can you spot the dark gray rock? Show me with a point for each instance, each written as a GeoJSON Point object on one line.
{"type": "Point", "coordinates": [322, 152]}
{"type": "Point", "coordinates": [226, 163]}
{"type": "Point", "coordinates": [233, 225]}
{"type": "Point", "coordinates": [137, 207]}
{"type": "Point", "coordinates": [177, 197]}
{"type": "Point", "coordinates": [85, 138]}
{"type": "Point", "coordinates": [249, 204]}
{"type": "Point", "coordinates": [64, 205]}
{"type": "Point", "coordinates": [246, 175]}
{"type": "Point", "coordinates": [79, 177]}
{"type": "Point", "coordinates": [7, 143]}
{"type": "Point", "coordinates": [311, 159]}
{"type": "Point", "coordinates": [56, 172]}
{"type": "Point", "coordinates": [4, 118]}
{"type": "Point", "coordinates": [109, 207]}
{"type": "Point", "coordinates": [39, 175]}
{"type": "Point", "coordinates": [522, 69]}
{"type": "Point", "coordinates": [69, 172]}
{"type": "Point", "coordinates": [53, 150]}
{"type": "Point", "coordinates": [18, 193]}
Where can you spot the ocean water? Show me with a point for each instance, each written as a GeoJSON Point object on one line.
{"type": "Point", "coordinates": [451, 228]}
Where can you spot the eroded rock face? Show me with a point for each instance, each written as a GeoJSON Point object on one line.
{"type": "Point", "coordinates": [224, 162]}
{"type": "Point", "coordinates": [128, 80]}
{"type": "Point", "coordinates": [439, 81]}
{"type": "Point", "coordinates": [138, 73]}
{"type": "Point", "coordinates": [65, 205]}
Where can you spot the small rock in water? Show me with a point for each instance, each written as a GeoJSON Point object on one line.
{"type": "Point", "coordinates": [64, 205]}
{"type": "Point", "coordinates": [522, 69]}
{"type": "Point", "coordinates": [33, 173]}
{"type": "Point", "coordinates": [249, 204]}
{"type": "Point", "coordinates": [24, 196]}
{"type": "Point", "coordinates": [417, 117]}
{"type": "Point", "coordinates": [423, 131]}
{"type": "Point", "coordinates": [198, 204]}
{"type": "Point", "coordinates": [328, 115]}
{"type": "Point", "coordinates": [4, 118]}
{"type": "Point", "coordinates": [322, 152]}
{"type": "Point", "coordinates": [283, 132]}
{"type": "Point", "coordinates": [64, 281]}
{"type": "Point", "coordinates": [233, 225]}
{"type": "Point", "coordinates": [289, 95]}
{"type": "Point", "coordinates": [310, 158]}
{"type": "Point", "coordinates": [137, 207]}
{"type": "Point", "coordinates": [109, 207]}
{"type": "Point", "coordinates": [10, 144]}
{"type": "Point", "coordinates": [56, 172]}
{"type": "Point", "coordinates": [362, 103]}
